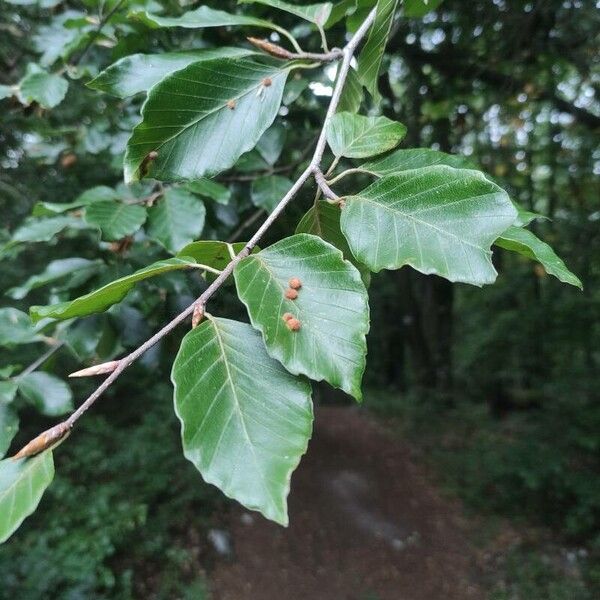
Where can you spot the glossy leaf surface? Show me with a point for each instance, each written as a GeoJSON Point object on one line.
{"type": "Point", "coordinates": [22, 483]}
{"type": "Point", "coordinates": [357, 136]}
{"type": "Point", "coordinates": [414, 158]}
{"type": "Point", "coordinates": [49, 394]}
{"type": "Point", "coordinates": [176, 219]}
{"type": "Point", "coordinates": [370, 57]}
{"type": "Point", "coordinates": [315, 13]}
{"type": "Point", "coordinates": [115, 219]}
{"type": "Point", "coordinates": [438, 220]}
{"type": "Point", "coordinates": [332, 307]}
{"type": "Point", "coordinates": [245, 421]}
{"type": "Point", "coordinates": [201, 119]}
{"type": "Point", "coordinates": [528, 244]}
{"type": "Point", "coordinates": [9, 425]}
{"type": "Point", "coordinates": [139, 72]}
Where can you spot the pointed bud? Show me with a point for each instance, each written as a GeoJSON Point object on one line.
{"type": "Point", "coordinates": [197, 315]}
{"type": "Point", "coordinates": [102, 369]}
{"type": "Point", "coordinates": [272, 49]}
{"type": "Point", "coordinates": [44, 440]}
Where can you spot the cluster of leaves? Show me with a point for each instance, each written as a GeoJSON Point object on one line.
{"type": "Point", "coordinates": [242, 391]}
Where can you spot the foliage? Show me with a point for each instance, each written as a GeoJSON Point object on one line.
{"type": "Point", "coordinates": [232, 114]}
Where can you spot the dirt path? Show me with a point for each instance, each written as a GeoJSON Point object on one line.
{"type": "Point", "coordinates": [365, 524]}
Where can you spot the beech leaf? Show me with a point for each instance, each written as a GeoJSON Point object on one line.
{"type": "Point", "coordinates": [245, 421]}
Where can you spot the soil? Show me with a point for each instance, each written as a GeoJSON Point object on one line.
{"type": "Point", "coordinates": [366, 523]}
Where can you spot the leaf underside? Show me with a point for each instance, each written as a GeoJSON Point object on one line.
{"type": "Point", "coordinates": [245, 421]}
{"type": "Point", "coordinates": [22, 483]}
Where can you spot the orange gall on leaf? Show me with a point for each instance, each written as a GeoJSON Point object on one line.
{"type": "Point", "coordinates": [148, 159]}
{"type": "Point", "coordinates": [231, 104]}
{"type": "Point", "coordinates": [295, 283]}
{"type": "Point", "coordinates": [267, 82]}
{"type": "Point", "coordinates": [293, 324]}
{"type": "Point", "coordinates": [287, 316]}
{"type": "Point", "coordinates": [291, 294]}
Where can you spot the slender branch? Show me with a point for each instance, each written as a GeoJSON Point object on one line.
{"type": "Point", "coordinates": [42, 359]}
{"type": "Point", "coordinates": [58, 432]}
{"type": "Point", "coordinates": [327, 191]}
{"type": "Point", "coordinates": [245, 224]}
{"type": "Point", "coordinates": [97, 32]}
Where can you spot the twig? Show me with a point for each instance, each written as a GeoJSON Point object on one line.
{"type": "Point", "coordinates": [42, 359]}
{"type": "Point", "coordinates": [327, 191]}
{"type": "Point", "coordinates": [97, 32]}
{"type": "Point", "coordinates": [245, 224]}
{"type": "Point", "coordinates": [49, 437]}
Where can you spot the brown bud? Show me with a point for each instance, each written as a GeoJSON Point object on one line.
{"type": "Point", "coordinates": [295, 283]}
{"type": "Point", "coordinates": [291, 294]}
{"type": "Point", "coordinates": [102, 369]}
{"type": "Point", "coordinates": [44, 440]}
{"type": "Point", "coordinates": [197, 315]}
{"type": "Point", "coordinates": [270, 48]}
{"type": "Point", "coordinates": [68, 160]}
{"type": "Point", "coordinates": [293, 324]}
{"type": "Point", "coordinates": [287, 316]}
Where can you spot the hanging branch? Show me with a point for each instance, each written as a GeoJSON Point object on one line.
{"type": "Point", "coordinates": [55, 434]}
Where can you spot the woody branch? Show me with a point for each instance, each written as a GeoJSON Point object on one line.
{"type": "Point", "coordinates": [55, 434]}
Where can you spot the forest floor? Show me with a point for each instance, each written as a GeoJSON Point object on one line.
{"type": "Point", "coordinates": [366, 523]}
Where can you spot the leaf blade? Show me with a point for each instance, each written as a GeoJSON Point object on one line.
{"type": "Point", "coordinates": [332, 307]}
{"type": "Point", "coordinates": [22, 484]}
{"type": "Point", "coordinates": [438, 220]}
{"type": "Point", "coordinates": [246, 426]}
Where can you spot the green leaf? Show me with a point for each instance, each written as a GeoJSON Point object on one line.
{"type": "Point", "coordinates": [207, 188]}
{"type": "Point", "coordinates": [356, 136]}
{"type": "Point", "coordinates": [369, 60]}
{"type": "Point", "coordinates": [522, 241]}
{"type": "Point", "coordinates": [419, 8]}
{"type": "Point", "coordinates": [43, 230]}
{"type": "Point", "coordinates": [139, 72]}
{"type": "Point", "coordinates": [95, 194]}
{"type": "Point", "coordinates": [49, 394]}
{"type": "Point", "coordinates": [176, 219]}
{"type": "Point", "coordinates": [15, 328]}
{"type": "Point", "coordinates": [81, 269]}
{"type": "Point", "coordinates": [268, 191]}
{"type": "Point", "coordinates": [438, 220]}
{"type": "Point", "coordinates": [245, 421]}
{"type": "Point", "coordinates": [200, 18]}
{"type": "Point", "coordinates": [524, 217]}
{"type": "Point", "coordinates": [352, 94]}
{"type": "Point", "coordinates": [211, 253]}
{"type": "Point", "coordinates": [314, 13]}
{"type": "Point", "coordinates": [6, 91]}
{"type": "Point", "coordinates": [9, 425]}
{"type": "Point", "coordinates": [111, 293]}
{"type": "Point", "coordinates": [8, 389]}
{"type": "Point", "coordinates": [115, 219]}
{"type": "Point", "coordinates": [22, 483]}
{"type": "Point", "coordinates": [271, 143]}
{"type": "Point", "coordinates": [332, 307]}
{"type": "Point", "coordinates": [201, 119]}
{"type": "Point", "coordinates": [415, 158]}
{"type": "Point", "coordinates": [323, 220]}
{"type": "Point", "coordinates": [46, 89]}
